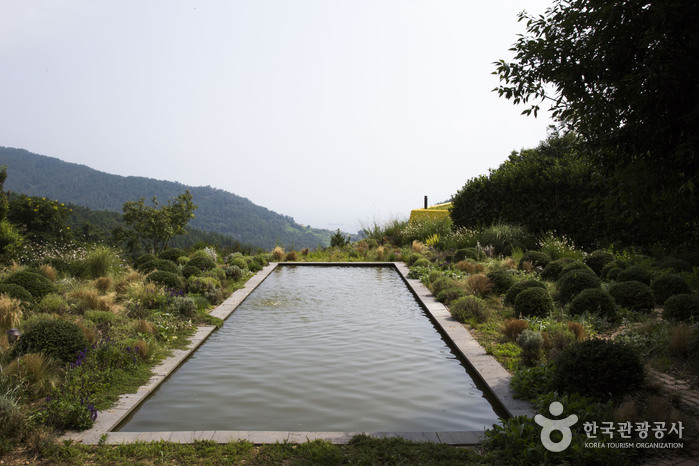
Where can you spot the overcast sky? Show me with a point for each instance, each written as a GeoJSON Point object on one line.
{"type": "Point", "coordinates": [337, 113]}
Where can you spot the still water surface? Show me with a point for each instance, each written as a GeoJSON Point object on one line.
{"type": "Point", "coordinates": [321, 349]}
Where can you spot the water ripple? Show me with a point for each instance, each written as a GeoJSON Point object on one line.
{"type": "Point", "coordinates": [313, 348]}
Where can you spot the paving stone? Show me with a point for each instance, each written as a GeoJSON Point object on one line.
{"type": "Point", "coordinates": [338, 438]}
{"type": "Point", "coordinates": [411, 436]}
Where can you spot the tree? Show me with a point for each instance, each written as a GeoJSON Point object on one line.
{"type": "Point", "coordinates": [154, 225]}
{"type": "Point", "coordinates": [622, 75]}
{"type": "Point", "coordinates": [9, 237]}
{"type": "Point", "coordinates": [40, 219]}
{"type": "Point", "coordinates": [546, 189]}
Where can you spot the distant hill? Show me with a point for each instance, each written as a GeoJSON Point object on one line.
{"type": "Point", "coordinates": [219, 211]}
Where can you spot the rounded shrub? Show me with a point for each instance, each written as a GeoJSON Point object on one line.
{"type": "Point", "coordinates": [35, 283]}
{"type": "Point", "coordinates": [442, 283]}
{"type": "Point", "coordinates": [142, 259]}
{"type": "Point", "coordinates": [533, 302]}
{"type": "Point", "coordinates": [520, 286]}
{"type": "Point", "coordinates": [532, 343]}
{"type": "Point", "coordinates": [598, 259]}
{"type": "Point", "coordinates": [469, 307]}
{"type": "Point", "coordinates": [601, 369]}
{"type": "Point", "coordinates": [574, 281]}
{"type": "Point", "coordinates": [162, 265]}
{"type": "Point", "coordinates": [422, 262]}
{"type": "Point", "coordinates": [167, 279]}
{"type": "Point", "coordinates": [183, 306]}
{"type": "Point", "coordinates": [594, 301]}
{"type": "Point", "coordinates": [190, 270]}
{"type": "Point", "coordinates": [635, 274]}
{"type": "Point", "coordinates": [469, 253]}
{"type": "Point", "coordinates": [172, 254]}
{"type": "Point", "coordinates": [448, 295]}
{"type": "Point", "coordinates": [681, 307]}
{"type": "Point", "coordinates": [502, 280]}
{"type": "Point", "coordinates": [55, 338]}
{"type": "Point", "coordinates": [575, 265]}
{"type": "Point", "coordinates": [633, 295]}
{"type": "Point", "coordinates": [613, 273]}
{"type": "Point", "coordinates": [673, 263]}
{"type": "Point", "coordinates": [233, 272]}
{"type": "Point", "coordinates": [16, 292]}
{"type": "Point", "coordinates": [552, 271]}
{"type": "Point", "coordinates": [536, 258]}
{"type": "Point", "coordinates": [202, 262]}
{"type": "Point", "coordinates": [667, 285]}
{"type": "Point", "coordinates": [238, 261]}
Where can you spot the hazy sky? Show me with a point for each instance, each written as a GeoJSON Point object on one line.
{"type": "Point", "coordinates": [337, 113]}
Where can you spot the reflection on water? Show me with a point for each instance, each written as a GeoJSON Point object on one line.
{"type": "Point", "coordinates": [321, 349]}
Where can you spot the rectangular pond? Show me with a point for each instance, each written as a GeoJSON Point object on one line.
{"type": "Point", "coordinates": [321, 349]}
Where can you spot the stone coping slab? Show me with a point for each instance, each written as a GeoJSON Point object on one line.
{"type": "Point", "coordinates": [485, 367]}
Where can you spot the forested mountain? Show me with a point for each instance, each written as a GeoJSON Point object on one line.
{"type": "Point", "coordinates": [219, 211]}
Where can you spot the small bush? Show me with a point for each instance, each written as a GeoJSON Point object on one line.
{"type": "Point", "coordinates": [535, 258]}
{"type": "Point", "coordinates": [595, 301]}
{"type": "Point", "coordinates": [201, 261]}
{"type": "Point", "coordinates": [502, 280]}
{"type": "Point", "coordinates": [674, 264]}
{"type": "Point", "coordinates": [578, 330]}
{"type": "Point", "coordinates": [574, 281]}
{"type": "Point", "coordinates": [575, 265]}
{"type": "Point", "coordinates": [633, 295]}
{"type": "Point", "coordinates": [12, 421]}
{"type": "Point", "coordinates": [442, 283]}
{"type": "Point", "coordinates": [422, 262]}
{"type": "Point", "coordinates": [479, 284]}
{"type": "Point", "coordinates": [99, 261]}
{"type": "Point", "coordinates": [190, 271]}
{"type": "Point", "coordinates": [668, 285]}
{"type": "Point", "coordinates": [412, 258]}
{"type": "Point", "coordinates": [35, 283]}
{"type": "Point", "coordinates": [469, 307]}
{"type": "Point", "coordinates": [504, 238]}
{"type": "Point", "coordinates": [161, 265]}
{"type": "Point", "coordinates": [552, 271]}
{"type": "Point", "coordinates": [291, 256]}
{"type": "Point", "coordinates": [682, 307]}
{"type": "Point", "coordinates": [100, 317]}
{"type": "Point", "coordinates": [140, 260]}
{"type": "Point", "coordinates": [10, 313]}
{"type": "Point", "coordinates": [202, 285]}
{"type": "Point", "coordinates": [601, 369]}
{"type": "Point", "coordinates": [103, 284]}
{"type": "Point", "coordinates": [533, 302]}
{"type": "Point", "coordinates": [16, 292]}
{"type": "Point", "coordinates": [55, 338]}
{"type": "Point", "coordinates": [598, 259]}
{"type": "Point", "coordinates": [513, 327]}
{"type": "Point", "coordinates": [470, 267]}
{"type": "Point", "coordinates": [613, 273]}
{"type": "Point", "coordinates": [167, 279]}
{"type": "Point", "coordinates": [529, 384]}
{"type": "Point", "coordinates": [619, 264]}
{"type": "Point", "coordinates": [238, 261]}
{"type": "Point", "coordinates": [278, 254]}
{"type": "Point", "coordinates": [184, 307]}
{"type": "Point", "coordinates": [635, 273]}
{"type": "Point", "coordinates": [532, 344]}
{"type": "Point", "coordinates": [53, 303]}
{"type": "Point", "coordinates": [469, 253]}
{"type": "Point", "coordinates": [520, 286]}
{"type": "Point", "coordinates": [172, 254]}
{"type": "Point", "coordinates": [234, 272]}
{"type": "Point", "coordinates": [450, 294]}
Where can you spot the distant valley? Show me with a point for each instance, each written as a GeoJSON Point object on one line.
{"type": "Point", "coordinates": [218, 211]}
